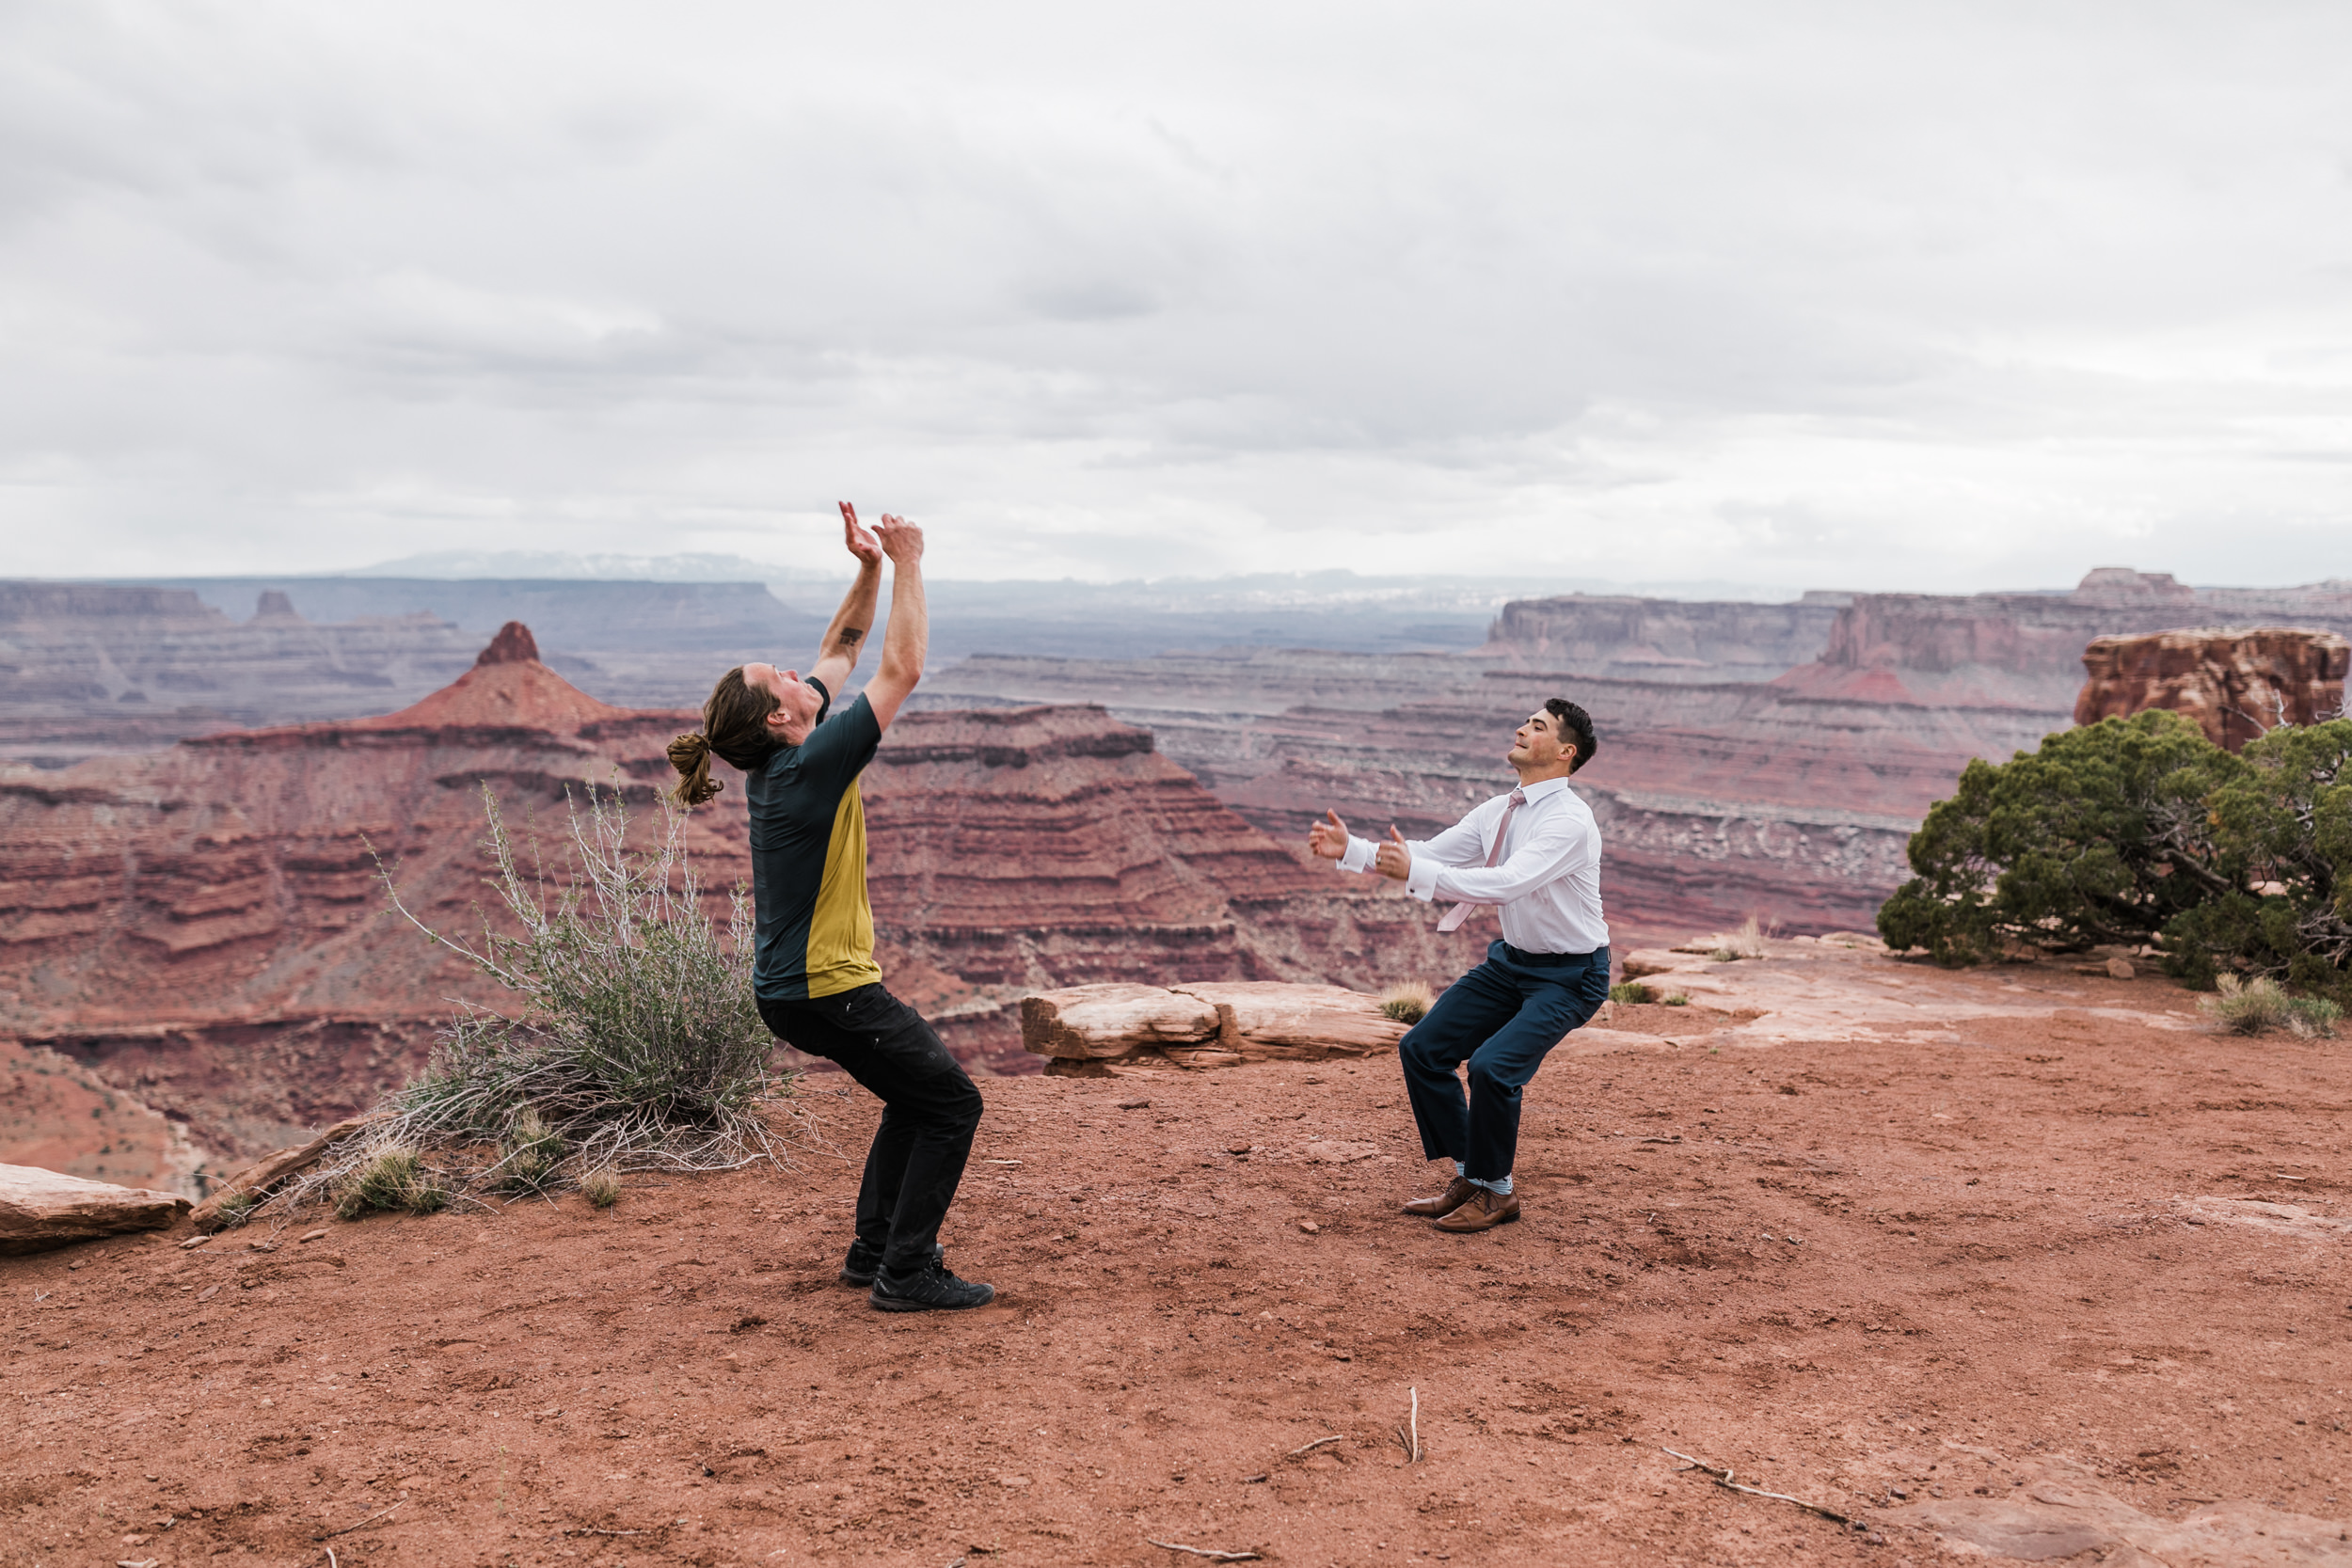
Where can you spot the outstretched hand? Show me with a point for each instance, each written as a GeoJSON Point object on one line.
{"type": "Point", "coordinates": [1394, 860]}
{"type": "Point", "coordinates": [1328, 837]}
{"type": "Point", "coordinates": [859, 537]}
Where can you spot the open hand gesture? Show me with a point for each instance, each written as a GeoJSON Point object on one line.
{"type": "Point", "coordinates": [1328, 837]}
{"type": "Point", "coordinates": [859, 537]}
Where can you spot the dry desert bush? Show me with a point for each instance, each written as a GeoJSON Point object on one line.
{"type": "Point", "coordinates": [632, 1041]}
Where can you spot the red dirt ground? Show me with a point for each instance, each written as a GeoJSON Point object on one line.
{"type": "Point", "coordinates": [1960, 1260]}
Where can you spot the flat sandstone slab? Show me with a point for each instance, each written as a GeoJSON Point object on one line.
{"type": "Point", "coordinates": [1112, 1020]}
{"type": "Point", "coordinates": [1204, 1023]}
{"type": "Point", "coordinates": [40, 1209]}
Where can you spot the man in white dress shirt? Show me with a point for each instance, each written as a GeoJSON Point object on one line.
{"type": "Point", "coordinates": [1536, 853]}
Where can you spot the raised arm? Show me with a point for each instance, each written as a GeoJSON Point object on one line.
{"type": "Point", "coordinates": [836, 656]}
{"type": "Point", "coordinates": [909, 635]}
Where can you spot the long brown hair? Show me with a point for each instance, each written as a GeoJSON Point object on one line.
{"type": "Point", "coordinates": [734, 725]}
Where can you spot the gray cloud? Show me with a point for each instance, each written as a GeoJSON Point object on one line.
{"type": "Point", "coordinates": [1843, 295]}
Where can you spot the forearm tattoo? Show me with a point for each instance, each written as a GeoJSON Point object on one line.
{"type": "Point", "coordinates": [853, 635]}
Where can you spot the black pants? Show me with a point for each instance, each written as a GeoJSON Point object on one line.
{"type": "Point", "coordinates": [1502, 1018]}
{"type": "Point", "coordinates": [930, 1112]}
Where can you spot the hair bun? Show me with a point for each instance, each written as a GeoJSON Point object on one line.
{"type": "Point", "coordinates": [689, 753]}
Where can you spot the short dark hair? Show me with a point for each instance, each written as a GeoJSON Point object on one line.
{"type": "Point", "coordinates": [1574, 724]}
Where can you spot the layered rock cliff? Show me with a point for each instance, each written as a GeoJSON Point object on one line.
{"type": "Point", "coordinates": [2024, 650]}
{"type": "Point", "coordinates": [2234, 684]}
{"type": "Point", "coordinates": [204, 925]}
{"type": "Point", "coordinates": [1716, 801]}
{"type": "Point", "coordinates": [1662, 639]}
{"type": "Point", "coordinates": [87, 669]}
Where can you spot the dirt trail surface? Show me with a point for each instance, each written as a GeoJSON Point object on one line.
{"type": "Point", "coordinates": [2019, 1260]}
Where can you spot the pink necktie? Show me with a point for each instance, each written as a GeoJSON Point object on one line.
{"type": "Point", "coordinates": [1459, 913]}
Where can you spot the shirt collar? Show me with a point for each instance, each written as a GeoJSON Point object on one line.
{"type": "Point", "coordinates": [1542, 787]}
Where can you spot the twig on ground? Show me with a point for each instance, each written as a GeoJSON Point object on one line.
{"type": "Point", "coordinates": [331, 1559]}
{"type": "Point", "coordinates": [348, 1529]}
{"type": "Point", "coordinates": [1305, 1447]}
{"type": "Point", "coordinates": [590, 1530]}
{"type": "Point", "coordinates": [1721, 1475]}
{"type": "Point", "coordinates": [1211, 1553]}
{"type": "Point", "coordinates": [1409, 1435]}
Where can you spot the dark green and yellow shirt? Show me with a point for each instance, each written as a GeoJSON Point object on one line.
{"type": "Point", "coordinates": [815, 933]}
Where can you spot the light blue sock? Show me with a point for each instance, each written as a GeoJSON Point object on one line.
{"type": "Point", "coordinates": [1460, 1169]}
{"type": "Point", "coordinates": [1501, 1187]}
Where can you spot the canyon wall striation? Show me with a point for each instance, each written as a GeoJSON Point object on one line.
{"type": "Point", "coordinates": [1726, 786]}
{"type": "Point", "coordinates": [204, 925]}
{"type": "Point", "coordinates": [1662, 639]}
{"type": "Point", "coordinates": [2025, 650]}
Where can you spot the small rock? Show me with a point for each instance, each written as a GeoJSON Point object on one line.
{"type": "Point", "coordinates": [200, 1241]}
{"type": "Point", "coordinates": [1243, 1148]}
{"type": "Point", "coordinates": [2118, 969]}
{"type": "Point", "coordinates": [261, 1246]}
{"type": "Point", "coordinates": [207, 1294]}
{"type": "Point", "coordinates": [1308, 1226]}
{"type": "Point", "coordinates": [1135, 1104]}
{"type": "Point", "coordinates": [313, 1235]}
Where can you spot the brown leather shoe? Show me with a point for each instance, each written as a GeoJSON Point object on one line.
{"type": "Point", "coordinates": [1484, 1212]}
{"type": "Point", "coordinates": [1458, 1192]}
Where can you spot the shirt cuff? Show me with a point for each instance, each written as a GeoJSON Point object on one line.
{"type": "Point", "coordinates": [1421, 882]}
{"type": "Point", "coordinates": [1358, 856]}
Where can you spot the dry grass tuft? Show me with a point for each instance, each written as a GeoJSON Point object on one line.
{"type": "Point", "coordinates": [1631, 990]}
{"type": "Point", "coordinates": [1408, 1000]}
{"type": "Point", "coordinates": [532, 1154]}
{"type": "Point", "coordinates": [1745, 942]}
{"type": "Point", "coordinates": [2259, 1006]}
{"type": "Point", "coordinates": [601, 1187]}
{"type": "Point", "coordinates": [392, 1180]}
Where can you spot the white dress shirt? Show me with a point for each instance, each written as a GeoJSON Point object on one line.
{"type": "Point", "coordinates": [1547, 880]}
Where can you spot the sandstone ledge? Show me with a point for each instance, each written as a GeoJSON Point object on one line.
{"type": "Point", "coordinates": [40, 1209]}
{"type": "Point", "coordinates": [1092, 1030]}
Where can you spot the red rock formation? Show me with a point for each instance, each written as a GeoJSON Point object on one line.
{"type": "Point", "coordinates": [2019, 650]}
{"type": "Point", "coordinates": [2234, 684]}
{"type": "Point", "coordinates": [205, 924]}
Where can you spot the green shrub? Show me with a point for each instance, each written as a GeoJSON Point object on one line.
{"type": "Point", "coordinates": [1408, 1000]}
{"type": "Point", "coordinates": [1631, 990]}
{"type": "Point", "coordinates": [2137, 831]}
{"type": "Point", "coordinates": [2097, 837]}
{"type": "Point", "coordinates": [1675, 999]}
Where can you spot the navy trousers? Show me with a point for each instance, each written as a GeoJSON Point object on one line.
{"type": "Point", "coordinates": [1503, 1018]}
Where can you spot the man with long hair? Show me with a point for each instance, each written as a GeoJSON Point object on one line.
{"type": "Point", "coordinates": [814, 973]}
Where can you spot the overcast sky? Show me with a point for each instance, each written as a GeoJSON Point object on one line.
{"type": "Point", "coordinates": [1869, 295]}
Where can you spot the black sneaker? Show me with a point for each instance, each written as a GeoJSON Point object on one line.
{"type": "Point", "coordinates": [861, 1266]}
{"type": "Point", "coordinates": [933, 1291]}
